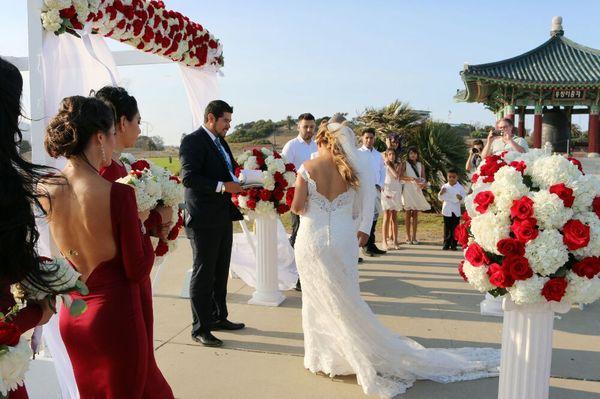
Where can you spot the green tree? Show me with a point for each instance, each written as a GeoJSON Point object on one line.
{"type": "Point", "coordinates": [393, 118]}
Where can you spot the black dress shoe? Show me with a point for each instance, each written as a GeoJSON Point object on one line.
{"type": "Point", "coordinates": [207, 339]}
{"type": "Point", "coordinates": [298, 286]}
{"type": "Point", "coordinates": [445, 248]}
{"type": "Point", "coordinates": [360, 260]}
{"type": "Point", "coordinates": [378, 251]}
{"type": "Point", "coordinates": [226, 325]}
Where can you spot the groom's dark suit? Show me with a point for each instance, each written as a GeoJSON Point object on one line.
{"type": "Point", "coordinates": [208, 225]}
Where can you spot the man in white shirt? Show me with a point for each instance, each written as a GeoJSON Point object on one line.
{"type": "Point", "coordinates": [378, 167]}
{"type": "Point", "coordinates": [452, 194]}
{"type": "Point", "coordinates": [506, 141]}
{"type": "Point", "coordinates": [297, 151]}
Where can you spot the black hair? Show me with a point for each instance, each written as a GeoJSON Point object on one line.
{"type": "Point", "coordinates": [369, 130]}
{"type": "Point", "coordinates": [21, 190]}
{"type": "Point", "coordinates": [218, 108]}
{"type": "Point", "coordinates": [477, 142]}
{"type": "Point", "coordinates": [452, 170]}
{"type": "Point", "coordinates": [307, 116]}
{"type": "Point", "coordinates": [416, 151]}
{"type": "Point", "coordinates": [122, 103]}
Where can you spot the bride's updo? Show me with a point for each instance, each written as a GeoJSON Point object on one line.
{"type": "Point", "coordinates": [329, 139]}
{"type": "Point", "coordinates": [78, 119]}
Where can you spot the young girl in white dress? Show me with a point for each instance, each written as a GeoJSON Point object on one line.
{"type": "Point", "coordinates": [413, 199]}
{"type": "Point", "coordinates": [391, 199]}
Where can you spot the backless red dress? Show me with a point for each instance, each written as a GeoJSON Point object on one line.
{"type": "Point", "coordinates": [110, 345]}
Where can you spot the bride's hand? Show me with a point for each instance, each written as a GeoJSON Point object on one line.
{"type": "Point", "coordinates": [362, 238]}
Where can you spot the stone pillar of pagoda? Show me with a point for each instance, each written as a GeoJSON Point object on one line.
{"type": "Point", "coordinates": [537, 127]}
{"type": "Point", "coordinates": [522, 121]}
{"type": "Point", "coordinates": [509, 112]}
{"type": "Point", "coordinates": [593, 132]}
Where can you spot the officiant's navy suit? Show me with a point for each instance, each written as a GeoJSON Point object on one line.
{"type": "Point", "coordinates": [208, 224]}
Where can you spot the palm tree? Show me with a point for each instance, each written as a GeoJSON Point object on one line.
{"type": "Point", "coordinates": [393, 118]}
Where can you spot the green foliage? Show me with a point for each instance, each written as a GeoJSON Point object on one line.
{"type": "Point", "coordinates": [393, 118]}
{"type": "Point", "coordinates": [255, 130]}
{"type": "Point", "coordinates": [440, 149]}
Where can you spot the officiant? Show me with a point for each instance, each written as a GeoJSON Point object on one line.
{"type": "Point", "coordinates": [207, 170]}
{"type": "Point", "coordinates": [298, 151]}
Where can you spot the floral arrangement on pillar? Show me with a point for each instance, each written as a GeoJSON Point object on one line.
{"type": "Point", "coordinates": [144, 24]}
{"type": "Point", "coordinates": [275, 195]}
{"type": "Point", "coordinates": [532, 229]}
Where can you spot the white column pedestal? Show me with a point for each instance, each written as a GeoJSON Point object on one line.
{"type": "Point", "coordinates": [527, 349]}
{"type": "Point", "coordinates": [267, 288]}
{"type": "Point", "coordinates": [491, 306]}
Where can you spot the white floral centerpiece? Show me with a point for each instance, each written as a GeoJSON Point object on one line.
{"type": "Point", "coordinates": [532, 229]}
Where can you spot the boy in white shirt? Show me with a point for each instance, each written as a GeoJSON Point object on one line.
{"type": "Point", "coordinates": [452, 194]}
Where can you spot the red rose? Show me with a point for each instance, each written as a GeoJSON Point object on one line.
{"type": "Point", "coordinates": [596, 206]}
{"type": "Point", "coordinates": [9, 334]}
{"type": "Point", "coordinates": [511, 247]}
{"type": "Point", "coordinates": [518, 267]}
{"type": "Point", "coordinates": [465, 216]}
{"type": "Point", "coordinates": [175, 179]}
{"type": "Point", "coordinates": [251, 204]}
{"type": "Point", "coordinates": [136, 173]}
{"type": "Point", "coordinates": [555, 289]}
{"type": "Point", "coordinates": [520, 166]}
{"type": "Point", "coordinates": [576, 234]}
{"type": "Point", "coordinates": [282, 208]}
{"type": "Point", "coordinates": [289, 167]}
{"type": "Point", "coordinates": [278, 194]}
{"type": "Point", "coordinates": [237, 171]}
{"type": "Point", "coordinates": [276, 155]}
{"type": "Point", "coordinates": [254, 194]}
{"type": "Point", "coordinates": [68, 13]}
{"type": "Point", "coordinates": [256, 153]}
{"type": "Point", "coordinates": [500, 276]}
{"type": "Point", "coordinates": [476, 255]}
{"type": "Point", "coordinates": [503, 154]}
{"type": "Point", "coordinates": [522, 208]}
{"type": "Point", "coordinates": [289, 196]}
{"type": "Point", "coordinates": [161, 249]}
{"type": "Point", "coordinates": [483, 200]}
{"type": "Point", "coordinates": [265, 195]}
{"type": "Point", "coordinates": [461, 272]}
{"type": "Point", "coordinates": [564, 193]}
{"type": "Point", "coordinates": [587, 267]}
{"type": "Point", "coordinates": [474, 178]}
{"type": "Point", "coordinates": [174, 233]}
{"type": "Point", "coordinates": [525, 230]}
{"type": "Point", "coordinates": [576, 162]}
{"type": "Point", "coordinates": [461, 235]}
{"type": "Point", "coordinates": [260, 160]}
{"type": "Point", "coordinates": [140, 165]}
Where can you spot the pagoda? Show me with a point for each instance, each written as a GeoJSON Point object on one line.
{"type": "Point", "coordinates": [554, 81]}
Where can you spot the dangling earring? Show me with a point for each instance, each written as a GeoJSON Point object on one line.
{"type": "Point", "coordinates": [103, 154]}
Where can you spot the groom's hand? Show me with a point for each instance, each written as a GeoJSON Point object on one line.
{"type": "Point", "coordinates": [232, 187]}
{"type": "Point", "coordinates": [362, 238]}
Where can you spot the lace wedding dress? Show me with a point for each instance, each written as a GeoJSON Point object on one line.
{"type": "Point", "coordinates": [341, 334]}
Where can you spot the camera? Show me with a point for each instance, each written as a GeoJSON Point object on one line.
{"type": "Point", "coordinates": [474, 150]}
{"type": "Point", "coordinates": [496, 133]}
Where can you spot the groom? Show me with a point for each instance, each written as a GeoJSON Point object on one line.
{"type": "Point", "coordinates": [207, 170]}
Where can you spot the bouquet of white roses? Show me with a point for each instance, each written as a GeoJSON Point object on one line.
{"type": "Point", "coordinates": [532, 229]}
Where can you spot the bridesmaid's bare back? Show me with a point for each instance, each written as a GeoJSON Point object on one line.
{"type": "Point", "coordinates": [80, 220]}
{"type": "Point", "coordinates": [328, 179]}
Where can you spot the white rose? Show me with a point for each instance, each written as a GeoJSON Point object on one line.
{"type": "Point", "coordinates": [58, 4]}
{"type": "Point", "coordinates": [269, 181]}
{"type": "Point", "coordinates": [51, 20]}
{"type": "Point", "coordinates": [251, 163]}
{"type": "Point", "coordinates": [546, 253]}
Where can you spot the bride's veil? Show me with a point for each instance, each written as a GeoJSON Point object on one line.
{"type": "Point", "coordinates": [366, 190]}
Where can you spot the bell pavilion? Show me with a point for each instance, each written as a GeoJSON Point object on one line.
{"type": "Point", "coordinates": [554, 81]}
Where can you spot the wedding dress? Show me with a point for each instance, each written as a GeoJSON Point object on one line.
{"type": "Point", "coordinates": [342, 335]}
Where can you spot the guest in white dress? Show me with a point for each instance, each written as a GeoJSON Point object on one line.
{"type": "Point", "coordinates": [391, 199]}
{"type": "Point", "coordinates": [413, 200]}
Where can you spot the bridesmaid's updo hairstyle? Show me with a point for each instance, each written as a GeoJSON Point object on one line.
{"type": "Point", "coordinates": [124, 104]}
{"type": "Point", "coordinates": [78, 119]}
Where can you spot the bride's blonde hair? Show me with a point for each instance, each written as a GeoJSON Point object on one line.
{"type": "Point", "coordinates": [329, 139]}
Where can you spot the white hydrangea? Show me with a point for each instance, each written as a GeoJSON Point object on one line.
{"type": "Point", "coordinates": [528, 291]}
{"type": "Point", "coordinates": [477, 277]}
{"type": "Point", "coordinates": [489, 228]}
{"type": "Point", "coordinates": [58, 4]}
{"type": "Point", "coordinates": [144, 201]}
{"type": "Point", "coordinates": [51, 20]}
{"type": "Point", "coordinates": [290, 178]}
{"type": "Point", "coordinates": [585, 189]}
{"type": "Point", "coordinates": [264, 208]}
{"type": "Point", "coordinates": [81, 6]}
{"type": "Point", "coordinates": [507, 186]}
{"type": "Point", "coordinates": [269, 181]}
{"type": "Point", "coordinates": [242, 201]}
{"type": "Point", "coordinates": [152, 186]}
{"type": "Point", "coordinates": [14, 363]}
{"type": "Point", "coordinates": [582, 290]}
{"type": "Point", "coordinates": [243, 157]}
{"type": "Point", "coordinates": [547, 252]}
{"type": "Point", "coordinates": [593, 247]}
{"type": "Point", "coordinates": [547, 171]}
{"type": "Point", "coordinates": [266, 152]}
{"type": "Point", "coordinates": [172, 192]}
{"type": "Point", "coordinates": [127, 158]}
{"type": "Point", "coordinates": [275, 165]}
{"type": "Point", "coordinates": [549, 210]}
{"type": "Point", "coordinates": [94, 5]}
{"type": "Point", "coordinates": [251, 163]}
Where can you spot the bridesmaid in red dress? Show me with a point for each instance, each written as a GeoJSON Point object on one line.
{"type": "Point", "coordinates": [18, 234]}
{"type": "Point", "coordinates": [95, 223]}
{"type": "Point", "coordinates": [127, 129]}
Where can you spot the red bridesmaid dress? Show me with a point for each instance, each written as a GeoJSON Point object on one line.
{"type": "Point", "coordinates": [109, 345]}
{"type": "Point", "coordinates": [25, 320]}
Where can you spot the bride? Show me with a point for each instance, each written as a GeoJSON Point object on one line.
{"type": "Point", "coordinates": [341, 334]}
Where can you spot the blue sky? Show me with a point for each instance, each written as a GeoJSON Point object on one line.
{"type": "Point", "coordinates": [285, 58]}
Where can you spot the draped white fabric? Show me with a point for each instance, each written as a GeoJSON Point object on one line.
{"type": "Point", "coordinates": [243, 259]}
{"type": "Point", "coordinates": [201, 87]}
{"type": "Point", "coordinates": [71, 66]}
